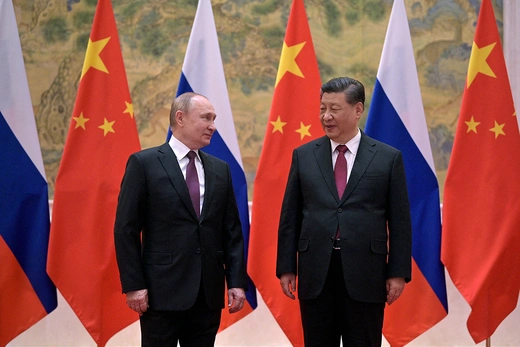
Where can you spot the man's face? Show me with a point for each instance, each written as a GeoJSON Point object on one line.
{"type": "Point", "coordinates": [338, 118]}
{"type": "Point", "coordinates": [198, 125]}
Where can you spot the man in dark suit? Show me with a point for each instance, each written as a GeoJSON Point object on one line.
{"type": "Point", "coordinates": [178, 236]}
{"type": "Point", "coordinates": [350, 246]}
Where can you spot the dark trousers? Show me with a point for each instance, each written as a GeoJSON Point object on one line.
{"type": "Point", "coordinates": [195, 327]}
{"type": "Point", "coordinates": [334, 315]}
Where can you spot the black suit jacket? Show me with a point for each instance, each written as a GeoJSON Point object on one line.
{"type": "Point", "coordinates": [177, 249]}
{"type": "Point", "coordinates": [375, 198]}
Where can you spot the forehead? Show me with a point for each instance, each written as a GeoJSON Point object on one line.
{"type": "Point", "coordinates": [200, 104]}
{"type": "Point", "coordinates": [333, 98]}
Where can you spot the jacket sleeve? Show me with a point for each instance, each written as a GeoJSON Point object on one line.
{"type": "Point", "coordinates": [128, 225]}
{"type": "Point", "coordinates": [290, 222]}
{"type": "Point", "coordinates": [399, 223]}
{"type": "Point", "coordinates": [233, 241]}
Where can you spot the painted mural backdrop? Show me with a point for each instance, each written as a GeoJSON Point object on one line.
{"type": "Point", "coordinates": [348, 36]}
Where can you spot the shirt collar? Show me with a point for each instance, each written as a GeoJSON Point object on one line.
{"type": "Point", "coordinates": [179, 148]}
{"type": "Point", "coordinates": [352, 145]}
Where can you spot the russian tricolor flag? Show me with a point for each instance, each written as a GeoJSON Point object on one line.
{"type": "Point", "coordinates": [396, 117]}
{"type": "Point", "coordinates": [27, 293]}
{"type": "Point", "coordinates": [203, 73]}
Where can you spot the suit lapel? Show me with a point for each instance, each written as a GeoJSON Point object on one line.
{"type": "Point", "coordinates": [322, 153]}
{"type": "Point", "coordinates": [173, 170]}
{"type": "Point", "coordinates": [364, 156]}
{"type": "Point", "coordinates": [209, 178]}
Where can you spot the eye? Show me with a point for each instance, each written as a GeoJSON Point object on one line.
{"type": "Point", "coordinates": [208, 117]}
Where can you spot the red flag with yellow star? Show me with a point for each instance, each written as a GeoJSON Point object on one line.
{"type": "Point", "coordinates": [481, 216]}
{"type": "Point", "coordinates": [101, 137]}
{"type": "Point", "coordinates": [293, 121]}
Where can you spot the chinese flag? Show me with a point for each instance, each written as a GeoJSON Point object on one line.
{"type": "Point", "coordinates": [293, 121]}
{"type": "Point", "coordinates": [481, 219]}
{"type": "Point", "coordinates": [101, 136]}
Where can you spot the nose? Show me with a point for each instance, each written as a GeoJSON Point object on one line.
{"type": "Point", "coordinates": [326, 116]}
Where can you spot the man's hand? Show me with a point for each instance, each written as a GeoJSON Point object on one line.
{"type": "Point", "coordinates": [236, 297]}
{"type": "Point", "coordinates": [394, 289]}
{"type": "Point", "coordinates": [137, 300]}
{"type": "Point", "coordinates": [288, 283]}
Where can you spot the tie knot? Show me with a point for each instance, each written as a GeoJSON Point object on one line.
{"type": "Point", "coordinates": [191, 155]}
{"type": "Point", "coordinates": [342, 149]}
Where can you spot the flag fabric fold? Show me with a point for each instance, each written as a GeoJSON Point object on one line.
{"type": "Point", "coordinates": [24, 203]}
{"type": "Point", "coordinates": [396, 117]}
{"type": "Point", "coordinates": [203, 73]}
{"type": "Point", "coordinates": [481, 219]}
{"type": "Point", "coordinates": [101, 137]}
{"type": "Point", "coordinates": [293, 121]}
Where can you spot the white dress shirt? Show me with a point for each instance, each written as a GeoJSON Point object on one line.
{"type": "Point", "coordinates": [350, 155]}
{"type": "Point", "coordinates": [181, 152]}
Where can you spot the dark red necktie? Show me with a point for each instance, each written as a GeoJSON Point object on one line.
{"type": "Point", "coordinates": [340, 170]}
{"type": "Point", "coordinates": [192, 181]}
{"type": "Point", "coordinates": [340, 175]}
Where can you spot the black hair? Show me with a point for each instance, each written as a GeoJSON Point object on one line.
{"type": "Point", "coordinates": [353, 89]}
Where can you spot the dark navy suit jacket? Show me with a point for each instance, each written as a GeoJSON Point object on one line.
{"type": "Point", "coordinates": [373, 217]}
{"type": "Point", "coordinates": [162, 246]}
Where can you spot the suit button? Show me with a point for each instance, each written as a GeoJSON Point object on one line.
{"type": "Point", "coordinates": [198, 250]}
{"type": "Point", "coordinates": [340, 210]}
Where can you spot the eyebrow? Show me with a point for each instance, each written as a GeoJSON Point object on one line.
{"type": "Point", "coordinates": [206, 114]}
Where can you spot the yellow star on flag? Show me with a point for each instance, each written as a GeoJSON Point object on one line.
{"type": "Point", "coordinates": [92, 58]}
{"type": "Point", "coordinates": [472, 125]}
{"type": "Point", "coordinates": [288, 61]}
{"type": "Point", "coordinates": [80, 121]}
{"type": "Point", "coordinates": [498, 129]}
{"type": "Point", "coordinates": [129, 109]}
{"type": "Point", "coordinates": [107, 126]}
{"type": "Point", "coordinates": [478, 63]}
{"type": "Point", "coordinates": [278, 125]}
{"type": "Point", "coordinates": [304, 130]}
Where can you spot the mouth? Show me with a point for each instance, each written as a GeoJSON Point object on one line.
{"type": "Point", "coordinates": [328, 127]}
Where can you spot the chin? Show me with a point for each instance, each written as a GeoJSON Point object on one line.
{"type": "Point", "coordinates": [331, 134]}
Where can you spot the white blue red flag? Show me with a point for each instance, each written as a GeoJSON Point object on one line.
{"type": "Point", "coordinates": [203, 73]}
{"type": "Point", "coordinates": [396, 117]}
{"type": "Point", "coordinates": [27, 293]}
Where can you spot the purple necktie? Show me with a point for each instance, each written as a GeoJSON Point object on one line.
{"type": "Point", "coordinates": [192, 181]}
{"type": "Point", "coordinates": [340, 175]}
{"type": "Point", "coordinates": [340, 170]}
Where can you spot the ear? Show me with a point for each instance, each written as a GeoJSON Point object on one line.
{"type": "Point", "coordinates": [359, 109]}
{"type": "Point", "coordinates": [179, 118]}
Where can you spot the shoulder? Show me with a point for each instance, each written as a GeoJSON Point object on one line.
{"type": "Point", "coordinates": [209, 158]}
{"type": "Point", "coordinates": [147, 155]}
{"type": "Point", "coordinates": [153, 151]}
{"type": "Point", "coordinates": [310, 146]}
{"type": "Point", "coordinates": [377, 145]}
